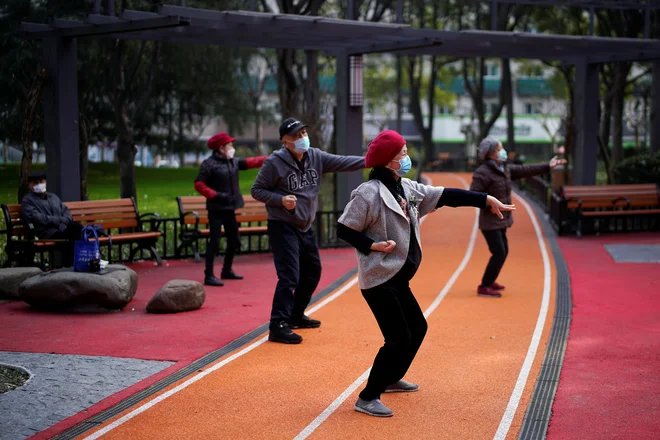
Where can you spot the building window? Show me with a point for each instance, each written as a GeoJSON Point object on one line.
{"type": "Point", "coordinates": [533, 108]}
{"type": "Point", "coordinates": [493, 70]}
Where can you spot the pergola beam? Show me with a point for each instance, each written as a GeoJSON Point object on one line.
{"type": "Point", "coordinates": [123, 26]}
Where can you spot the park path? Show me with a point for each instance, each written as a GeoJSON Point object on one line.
{"type": "Point", "coordinates": [476, 368]}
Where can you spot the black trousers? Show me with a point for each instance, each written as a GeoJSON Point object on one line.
{"type": "Point", "coordinates": [298, 266]}
{"type": "Point", "coordinates": [216, 220]}
{"type": "Point", "coordinates": [403, 325]}
{"type": "Point", "coordinates": [499, 249]}
{"type": "Point", "coordinates": [71, 234]}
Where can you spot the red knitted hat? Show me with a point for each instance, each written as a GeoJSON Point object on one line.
{"type": "Point", "coordinates": [218, 140]}
{"type": "Point", "coordinates": [384, 148]}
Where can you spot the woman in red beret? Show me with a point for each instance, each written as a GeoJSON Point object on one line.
{"type": "Point", "coordinates": [382, 222]}
{"type": "Point", "coordinates": [218, 182]}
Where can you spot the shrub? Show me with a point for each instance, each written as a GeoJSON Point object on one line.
{"type": "Point", "coordinates": [643, 168]}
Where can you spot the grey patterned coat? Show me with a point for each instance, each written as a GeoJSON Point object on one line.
{"type": "Point", "coordinates": [374, 211]}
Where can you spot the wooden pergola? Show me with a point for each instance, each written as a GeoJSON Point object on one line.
{"type": "Point", "coordinates": [347, 40]}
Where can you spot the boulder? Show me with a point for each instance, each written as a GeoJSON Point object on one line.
{"type": "Point", "coordinates": [177, 296]}
{"type": "Point", "coordinates": [12, 277]}
{"type": "Point", "coordinates": [66, 289]}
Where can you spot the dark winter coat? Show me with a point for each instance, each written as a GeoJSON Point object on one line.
{"type": "Point", "coordinates": [489, 178]}
{"type": "Point", "coordinates": [218, 180]}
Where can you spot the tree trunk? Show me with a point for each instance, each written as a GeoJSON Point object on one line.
{"type": "Point", "coordinates": [287, 84]}
{"type": "Point", "coordinates": [312, 99]}
{"type": "Point", "coordinates": [83, 155]}
{"type": "Point", "coordinates": [124, 127]}
{"type": "Point", "coordinates": [622, 70]}
{"type": "Point", "coordinates": [31, 115]}
{"type": "Point", "coordinates": [508, 102]}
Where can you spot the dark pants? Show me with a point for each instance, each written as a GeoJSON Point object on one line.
{"type": "Point", "coordinates": [71, 234]}
{"type": "Point", "coordinates": [499, 249]}
{"type": "Point", "coordinates": [298, 266]}
{"type": "Point", "coordinates": [403, 325]}
{"type": "Point", "coordinates": [216, 220]}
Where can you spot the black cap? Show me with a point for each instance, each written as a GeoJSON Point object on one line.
{"type": "Point", "coordinates": [37, 175]}
{"type": "Point", "coordinates": [290, 126]}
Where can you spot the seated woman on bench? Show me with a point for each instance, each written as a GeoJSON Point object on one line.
{"type": "Point", "coordinates": [49, 216]}
{"type": "Point", "coordinates": [218, 182]}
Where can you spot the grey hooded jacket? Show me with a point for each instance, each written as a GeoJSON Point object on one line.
{"type": "Point", "coordinates": [282, 175]}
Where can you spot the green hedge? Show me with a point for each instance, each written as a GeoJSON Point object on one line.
{"type": "Point", "coordinates": [643, 168]}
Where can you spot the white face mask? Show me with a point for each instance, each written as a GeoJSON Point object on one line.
{"type": "Point", "coordinates": [40, 188]}
{"type": "Point", "coordinates": [230, 153]}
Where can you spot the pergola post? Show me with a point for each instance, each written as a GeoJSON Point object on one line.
{"type": "Point", "coordinates": [349, 122]}
{"type": "Point", "coordinates": [61, 117]}
{"type": "Point", "coordinates": [655, 108]}
{"type": "Point", "coordinates": [585, 151]}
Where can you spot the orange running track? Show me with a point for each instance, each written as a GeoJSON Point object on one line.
{"type": "Point", "coordinates": [476, 368]}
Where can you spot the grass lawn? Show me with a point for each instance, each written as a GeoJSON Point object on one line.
{"type": "Point", "coordinates": [157, 188]}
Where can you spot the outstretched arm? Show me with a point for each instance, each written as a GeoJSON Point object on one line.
{"type": "Point", "coordinates": [251, 162]}
{"type": "Point", "coordinates": [455, 197]}
{"type": "Point", "coordinates": [522, 171]}
{"type": "Point", "coordinates": [334, 163]}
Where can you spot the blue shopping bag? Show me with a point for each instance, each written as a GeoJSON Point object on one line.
{"type": "Point", "coordinates": [85, 250]}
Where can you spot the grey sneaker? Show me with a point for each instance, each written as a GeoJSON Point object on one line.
{"type": "Point", "coordinates": [373, 408]}
{"type": "Point", "coordinates": [402, 387]}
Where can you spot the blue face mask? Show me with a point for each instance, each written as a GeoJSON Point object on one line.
{"type": "Point", "coordinates": [502, 155]}
{"type": "Point", "coordinates": [405, 166]}
{"type": "Point", "coordinates": [301, 145]}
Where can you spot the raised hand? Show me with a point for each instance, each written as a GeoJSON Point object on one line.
{"type": "Point", "coordinates": [555, 162]}
{"type": "Point", "coordinates": [383, 246]}
{"type": "Point", "coordinates": [497, 207]}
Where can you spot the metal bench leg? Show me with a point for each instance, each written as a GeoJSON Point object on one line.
{"type": "Point", "coordinates": [154, 253]}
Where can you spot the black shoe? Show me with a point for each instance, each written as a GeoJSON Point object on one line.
{"type": "Point", "coordinates": [305, 322]}
{"type": "Point", "coordinates": [213, 281]}
{"type": "Point", "coordinates": [281, 332]}
{"type": "Point", "coordinates": [230, 276]}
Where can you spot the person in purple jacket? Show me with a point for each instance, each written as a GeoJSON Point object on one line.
{"type": "Point", "coordinates": [289, 183]}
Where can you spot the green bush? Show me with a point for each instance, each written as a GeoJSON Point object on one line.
{"type": "Point", "coordinates": [643, 168]}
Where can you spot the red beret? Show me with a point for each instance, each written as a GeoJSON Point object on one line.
{"type": "Point", "coordinates": [218, 140]}
{"type": "Point", "coordinates": [384, 148]}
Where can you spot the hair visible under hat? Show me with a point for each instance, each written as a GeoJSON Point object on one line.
{"type": "Point", "coordinates": [487, 147]}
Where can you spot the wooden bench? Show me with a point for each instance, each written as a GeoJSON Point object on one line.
{"type": "Point", "coordinates": [22, 244]}
{"type": "Point", "coordinates": [194, 220]}
{"type": "Point", "coordinates": [121, 214]}
{"type": "Point", "coordinates": [610, 201]}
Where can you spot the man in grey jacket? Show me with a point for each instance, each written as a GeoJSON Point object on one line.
{"type": "Point", "coordinates": [289, 183]}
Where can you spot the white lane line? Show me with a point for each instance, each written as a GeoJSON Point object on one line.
{"type": "Point", "coordinates": [216, 367]}
{"type": "Point", "coordinates": [511, 408]}
{"type": "Point", "coordinates": [309, 429]}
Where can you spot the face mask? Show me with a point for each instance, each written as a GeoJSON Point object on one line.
{"type": "Point", "coordinates": [405, 166]}
{"type": "Point", "coordinates": [502, 156]}
{"type": "Point", "coordinates": [230, 153]}
{"type": "Point", "coordinates": [301, 145]}
{"type": "Point", "coordinates": [39, 188]}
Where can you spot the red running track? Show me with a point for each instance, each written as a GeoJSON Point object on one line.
{"type": "Point", "coordinates": [228, 313]}
{"type": "Point", "coordinates": [610, 381]}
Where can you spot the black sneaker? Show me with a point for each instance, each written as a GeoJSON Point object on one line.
{"type": "Point", "coordinates": [305, 322]}
{"type": "Point", "coordinates": [230, 276]}
{"type": "Point", "coordinates": [213, 281]}
{"type": "Point", "coordinates": [281, 332]}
